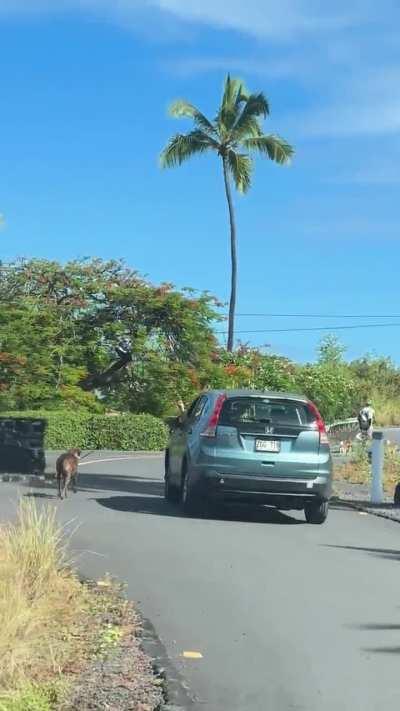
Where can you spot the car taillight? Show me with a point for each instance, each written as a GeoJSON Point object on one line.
{"type": "Point", "coordinates": [211, 429]}
{"type": "Point", "coordinates": [318, 423]}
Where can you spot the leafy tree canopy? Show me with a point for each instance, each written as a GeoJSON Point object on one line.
{"type": "Point", "coordinates": [60, 324]}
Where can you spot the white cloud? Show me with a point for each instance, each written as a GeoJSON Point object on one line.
{"type": "Point", "coordinates": [383, 172]}
{"type": "Point", "coordinates": [366, 103]}
{"type": "Point", "coordinates": [264, 18]}
{"type": "Point", "coordinates": [354, 120]}
{"type": "Point", "coordinates": [276, 19]}
{"type": "Point", "coordinates": [274, 69]}
{"type": "Point", "coordinates": [347, 56]}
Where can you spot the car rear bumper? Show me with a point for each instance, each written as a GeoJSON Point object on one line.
{"type": "Point", "coordinates": [282, 492]}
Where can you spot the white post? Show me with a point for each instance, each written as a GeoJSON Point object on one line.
{"type": "Point", "coordinates": [377, 468]}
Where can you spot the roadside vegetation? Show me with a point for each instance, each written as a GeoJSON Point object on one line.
{"type": "Point", "coordinates": [52, 627]}
{"type": "Point", "coordinates": [357, 470]}
{"type": "Point", "coordinates": [60, 325]}
{"type": "Point", "coordinates": [67, 429]}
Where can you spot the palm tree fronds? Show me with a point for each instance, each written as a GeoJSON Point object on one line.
{"type": "Point", "coordinates": [181, 147]}
{"type": "Point", "coordinates": [242, 95]}
{"type": "Point", "coordinates": [184, 109]}
{"type": "Point", "coordinates": [257, 105]}
{"type": "Point", "coordinates": [275, 147]}
{"type": "Point", "coordinates": [241, 169]}
{"type": "Point", "coordinates": [225, 120]}
{"type": "Point", "coordinates": [235, 93]}
{"type": "Point", "coordinates": [247, 124]}
{"type": "Point", "coordinates": [245, 127]}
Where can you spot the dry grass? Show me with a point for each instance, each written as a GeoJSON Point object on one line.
{"type": "Point", "coordinates": [41, 599]}
{"type": "Point", "coordinates": [358, 470]}
{"type": "Point", "coordinates": [52, 626]}
{"type": "Point", "coordinates": [387, 410]}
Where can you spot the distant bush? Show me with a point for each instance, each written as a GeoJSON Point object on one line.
{"type": "Point", "coordinates": [387, 409]}
{"type": "Point", "coordinates": [128, 432]}
{"type": "Point", "coordinates": [330, 386]}
{"type": "Point", "coordinates": [66, 429]}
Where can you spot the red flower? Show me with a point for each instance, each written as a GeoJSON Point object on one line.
{"type": "Point", "coordinates": [231, 369]}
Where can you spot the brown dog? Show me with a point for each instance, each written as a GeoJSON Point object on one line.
{"type": "Point", "coordinates": [67, 471]}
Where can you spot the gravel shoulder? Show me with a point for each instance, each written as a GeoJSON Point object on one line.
{"type": "Point", "coordinates": [358, 496]}
{"type": "Point", "coordinates": [121, 676]}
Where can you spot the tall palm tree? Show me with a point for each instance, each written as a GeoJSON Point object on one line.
{"type": "Point", "coordinates": [234, 135]}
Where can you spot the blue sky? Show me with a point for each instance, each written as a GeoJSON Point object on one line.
{"type": "Point", "coordinates": [85, 88]}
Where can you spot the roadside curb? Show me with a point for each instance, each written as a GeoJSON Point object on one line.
{"type": "Point", "coordinates": [26, 478]}
{"type": "Point", "coordinates": [176, 692]}
{"type": "Point", "coordinates": [364, 508]}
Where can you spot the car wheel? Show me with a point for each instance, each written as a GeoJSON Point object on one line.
{"type": "Point", "coordinates": [191, 503]}
{"type": "Point", "coordinates": [316, 512]}
{"type": "Point", "coordinates": [171, 492]}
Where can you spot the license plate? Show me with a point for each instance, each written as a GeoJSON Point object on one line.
{"type": "Point", "coordinates": [268, 445]}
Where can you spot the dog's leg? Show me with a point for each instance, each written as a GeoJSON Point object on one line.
{"type": "Point", "coordinates": [66, 482]}
{"type": "Point", "coordinates": [59, 486]}
{"type": "Point", "coordinates": [75, 482]}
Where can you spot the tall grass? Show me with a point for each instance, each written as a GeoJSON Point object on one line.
{"type": "Point", "coordinates": [387, 410]}
{"type": "Point", "coordinates": [40, 597]}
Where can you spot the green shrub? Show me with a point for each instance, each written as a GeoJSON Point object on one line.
{"type": "Point", "coordinates": [129, 432]}
{"type": "Point", "coordinates": [79, 429]}
{"type": "Point", "coordinates": [330, 386]}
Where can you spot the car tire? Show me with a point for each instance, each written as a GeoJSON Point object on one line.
{"type": "Point", "coordinates": [316, 512]}
{"type": "Point", "coordinates": [190, 500]}
{"type": "Point", "coordinates": [171, 492]}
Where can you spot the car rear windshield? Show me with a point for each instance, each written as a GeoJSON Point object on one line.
{"type": "Point", "coordinates": [244, 410]}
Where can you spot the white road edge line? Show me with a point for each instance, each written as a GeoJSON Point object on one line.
{"type": "Point", "coordinates": [118, 459]}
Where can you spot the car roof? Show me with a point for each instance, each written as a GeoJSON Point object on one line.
{"type": "Point", "coordinates": [257, 393]}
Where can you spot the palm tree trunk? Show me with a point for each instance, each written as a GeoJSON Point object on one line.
{"type": "Point", "coordinates": [232, 303]}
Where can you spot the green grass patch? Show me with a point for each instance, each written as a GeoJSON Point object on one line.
{"type": "Point", "coordinates": [33, 697]}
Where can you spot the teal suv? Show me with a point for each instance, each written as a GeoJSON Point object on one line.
{"type": "Point", "coordinates": [251, 447]}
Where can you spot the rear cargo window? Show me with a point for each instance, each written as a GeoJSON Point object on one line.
{"type": "Point", "coordinates": [243, 410]}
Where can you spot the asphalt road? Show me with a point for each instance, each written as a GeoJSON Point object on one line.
{"type": "Point", "coordinates": [287, 616]}
{"type": "Point", "coordinates": [392, 434]}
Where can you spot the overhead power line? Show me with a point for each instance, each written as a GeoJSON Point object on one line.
{"type": "Point", "coordinates": [318, 328]}
{"type": "Point", "coordinates": [323, 315]}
